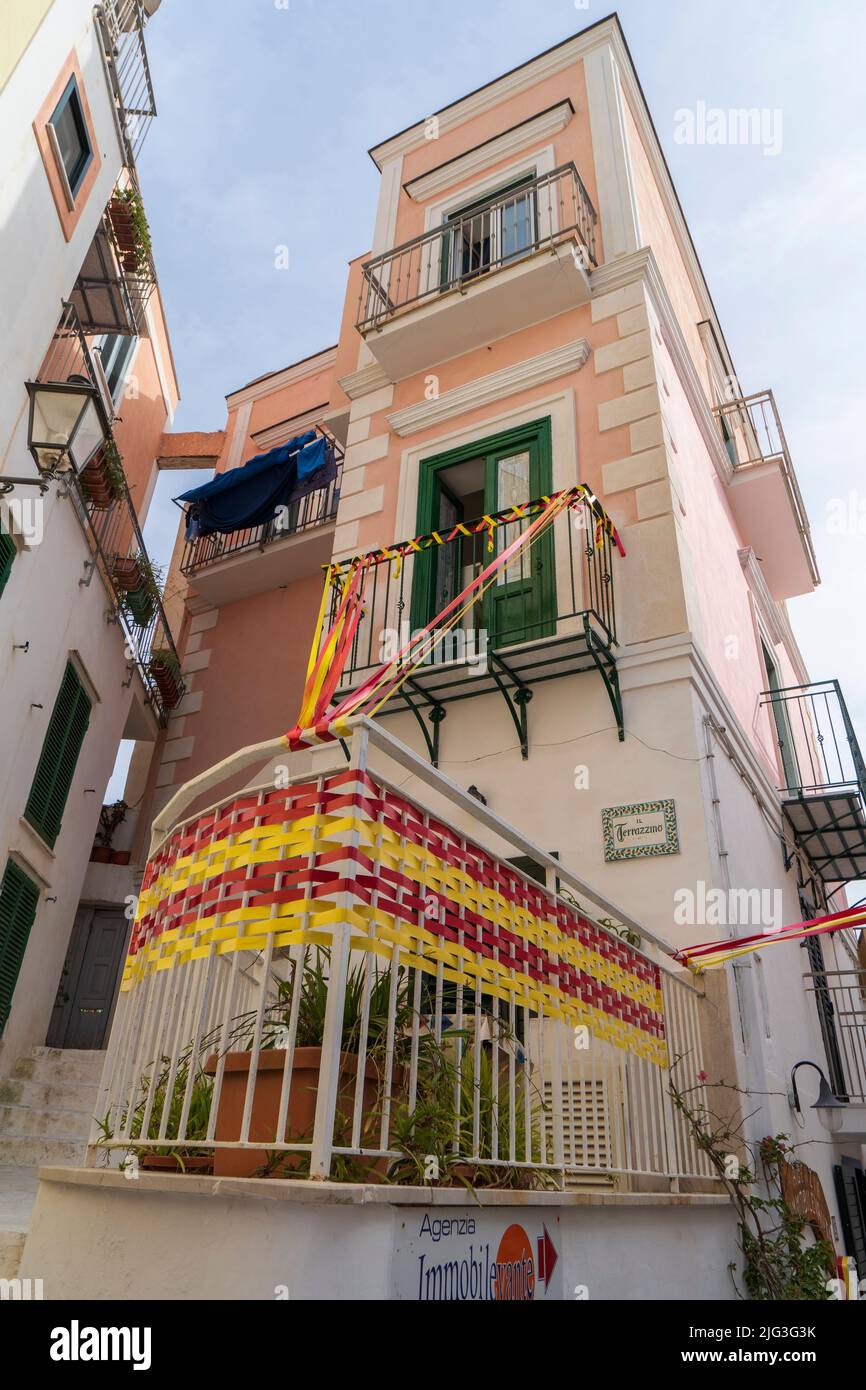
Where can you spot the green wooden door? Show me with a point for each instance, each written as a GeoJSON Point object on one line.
{"type": "Point", "coordinates": [521, 603]}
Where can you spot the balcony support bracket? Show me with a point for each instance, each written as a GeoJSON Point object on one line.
{"type": "Point", "coordinates": [436, 713]}
{"type": "Point", "coordinates": [516, 703]}
{"type": "Point", "coordinates": [606, 667]}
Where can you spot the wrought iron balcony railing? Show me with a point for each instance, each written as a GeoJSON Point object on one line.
{"type": "Point", "coordinates": [121, 28]}
{"type": "Point", "coordinates": [753, 435]}
{"type": "Point", "coordinates": [817, 742]}
{"type": "Point", "coordinates": [115, 282]}
{"type": "Point", "coordinates": [103, 505]}
{"type": "Point", "coordinates": [316, 509]}
{"type": "Point", "coordinates": [550, 612]}
{"type": "Point", "coordinates": [823, 776]}
{"type": "Point", "coordinates": [840, 997]}
{"type": "Point", "coordinates": [540, 212]}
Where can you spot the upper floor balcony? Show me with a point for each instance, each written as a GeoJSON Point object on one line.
{"type": "Point", "coordinates": [117, 275]}
{"type": "Point", "coordinates": [549, 612]}
{"type": "Point", "coordinates": [495, 267]}
{"type": "Point", "coordinates": [120, 25]}
{"type": "Point", "coordinates": [823, 777]}
{"type": "Point", "coordinates": [296, 539]}
{"type": "Point", "coordinates": [765, 496]}
{"type": "Point", "coordinates": [97, 488]}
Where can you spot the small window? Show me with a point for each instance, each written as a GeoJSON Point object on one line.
{"type": "Point", "coordinates": [70, 131]}
{"type": "Point", "coordinates": [19, 898]}
{"type": "Point", "coordinates": [116, 351]}
{"type": "Point", "coordinates": [7, 555]}
{"type": "Point", "coordinates": [56, 767]}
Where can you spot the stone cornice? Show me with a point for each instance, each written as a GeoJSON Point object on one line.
{"type": "Point", "coordinates": [556, 59]}
{"type": "Point", "coordinates": [532, 371]}
{"type": "Point", "coordinates": [519, 137]}
{"type": "Point", "coordinates": [364, 380]}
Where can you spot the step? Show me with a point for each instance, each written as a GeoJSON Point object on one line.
{"type": "Point", "coordinates": [29, 1119]}
{"type": "Point", "coordinates": [50, 1095]}
{"type": "Point", "coordinates": [29, 1150]}
{"type": "Point", "coordinates": [56, 1065]}
{"type": "Point", "coordinates": [11, 1250]}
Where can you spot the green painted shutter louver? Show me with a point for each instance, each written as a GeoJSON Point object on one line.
{"type": "Point", "coordinates": [56, 767]}
{"type": "Point", "coordinates": [7, 555]}
{"type": "Point", "coordinates": [18, 899]}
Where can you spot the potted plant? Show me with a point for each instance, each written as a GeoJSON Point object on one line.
{"type": "Point", "coordinates": [165, 669]}
{"type": "Point", "coordinates": [173, 1156]}
{"type": "Point", "coordinates": [130, 227]}
{"type": "Point", "coordinates": [306, 1064]}
{"type": "Point", "coordinates": [102, 479]}
{"type": "Point", "coordinates": [141, 582]}
{"type": "Point", "coordinates": [110, 817]}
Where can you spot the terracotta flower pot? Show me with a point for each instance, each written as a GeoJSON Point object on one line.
{"type": "Point", "coordinates": [121, 856]}
{"type": "Point", "coordinates": [167, 683]}
{"type": "Point", "coordinates": [127, 573]}
{"type": "Point", "coordinates": [247, 1163]}
{"type": "Point", "coordinates": [120, 213]}
{"type": "Point", "coordinates": [97, 484]}
{"type": "Point", "coordinates": [100, 854]}
{"type": "Point", "coordinates": [170, 1163]}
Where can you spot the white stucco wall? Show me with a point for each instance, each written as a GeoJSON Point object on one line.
{"type": "Point", "coordinates": [187, 1237]}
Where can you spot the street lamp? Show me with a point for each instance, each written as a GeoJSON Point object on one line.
{"type": "Point", "coordinates": [66, 425]}
{"type": "Point", "coordinates": [830, 1109]}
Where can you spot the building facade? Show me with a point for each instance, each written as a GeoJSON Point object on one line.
{"type": "Point", "coordinates": [86, 346]}
{"type": "Point", "coordinates": [531, 318]}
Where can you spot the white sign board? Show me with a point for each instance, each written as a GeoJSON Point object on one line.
{"type": "Point", "coordinates": [475, 1256]}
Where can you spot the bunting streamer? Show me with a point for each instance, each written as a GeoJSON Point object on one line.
{"type": "Point", "coordinates": [300, 863]}
{"type": "Point", "coordinates": [711, 953]}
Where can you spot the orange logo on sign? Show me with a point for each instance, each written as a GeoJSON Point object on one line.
{"type": "Point", "coordinates": [515, 1268]}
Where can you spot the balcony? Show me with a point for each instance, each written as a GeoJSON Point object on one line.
{"type": "Point", "coordinates": [840, 998]}
{"type": "Point", "coordinates": [551, 612]}
{"type": "Point", "coordinates": [823, 786]}
{"type": "Point", "coordinates": [115, 281]}
{"type": "Point", "coordinates": [517, 260]}
{"type": "Point", "coordinates": [100, 498]}
{"type": "Point", "coordinates": [317, 1037]}
{"type": "Point", "coordinates": [120, 25]}
{"type": "Point", "coordinates": [765, 496]}
{"type": "Point", "coordinates": [227, 567]}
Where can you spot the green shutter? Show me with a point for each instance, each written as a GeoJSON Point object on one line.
{"type": "Point", "coordinates": [18, 899]}
{"type": "Point", "coordinates": [56, 768]}
{"type": "Point", "coordinates": [7, 555]}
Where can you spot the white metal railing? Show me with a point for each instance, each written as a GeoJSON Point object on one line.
{"type": "Point", "coordinates": [341, 1039]}
{"type": "Point", "coordinates": [121, 26]}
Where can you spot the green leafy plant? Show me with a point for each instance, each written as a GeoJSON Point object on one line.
{"type": "Point", "coordinates": [198, 1116]}
{"type": "Point", "coordinates": [777, 1265]}
{"type": "Point", "coordinates": [110, 817]}
{"type": "Point", "coordinates": [135, 247]}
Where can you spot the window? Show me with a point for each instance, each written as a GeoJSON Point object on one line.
{"type": "Point", "coordinates": [780, 718]}
{"type": "Point", "coordinates": [56, 767]}
{"type": "Point", "coordinates": [480, 480]}
{"type": "Point", "coordinates": [116, 350]}
{"type": "Point", "coordinates": [483, 236]}
{"type": "Point", "coordinates": [72, 145]}
{"type": "Point", "coordinates": [7, 555]}
{"type": "Point", "coordinates": [18, 899]}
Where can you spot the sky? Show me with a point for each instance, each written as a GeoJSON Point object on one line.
{"type": "Point", "coordinates": [266, 109]}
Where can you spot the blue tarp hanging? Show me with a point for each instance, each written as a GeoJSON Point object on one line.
{"type": "Point", "coordinates": [250, 495]}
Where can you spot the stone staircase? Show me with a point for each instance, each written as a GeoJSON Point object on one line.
{"type": "Point", "coordinates": [47, 1103]}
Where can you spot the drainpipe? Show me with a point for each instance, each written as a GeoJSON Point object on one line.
{"type": "Point", "coordinates": [754, 1061]}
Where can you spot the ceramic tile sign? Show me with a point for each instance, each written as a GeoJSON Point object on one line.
{"type": "Point", "coordinates": [455, 1255]}
{"type": "Point", "coordinates": [640, 831]}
